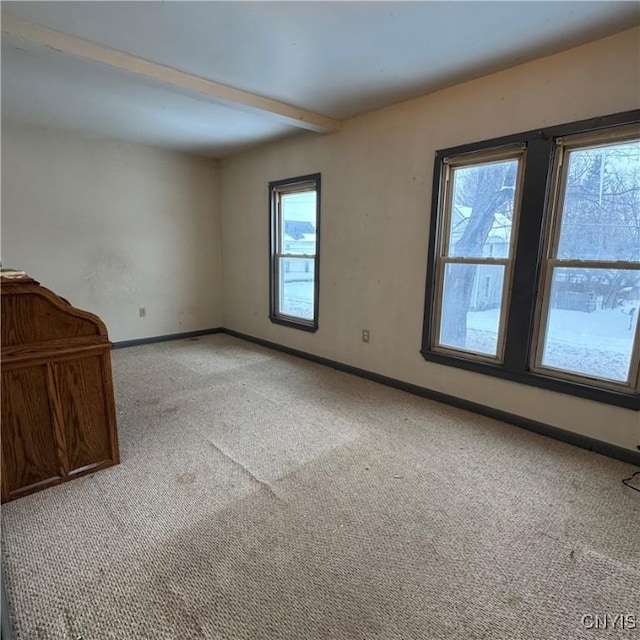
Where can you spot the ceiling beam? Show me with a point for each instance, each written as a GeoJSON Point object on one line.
{"type": "Point", "coordinates": [234, 98]}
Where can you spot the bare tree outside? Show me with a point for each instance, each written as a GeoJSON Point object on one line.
{"type": "Point", "coordinates": [593, 305]}
{"type": "Point", "coordinates": [481, 219]}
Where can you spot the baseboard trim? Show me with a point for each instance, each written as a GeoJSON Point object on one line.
{"type": "Point", "coordinates": [576, 439]}
{"type": "Point", "coordinates": [171, 336]}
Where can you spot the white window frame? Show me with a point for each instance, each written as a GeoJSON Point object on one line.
{"type": "Point", "coordinates": [564, 145]}
{"type": "Point", "coordinates": [278, 189]}
{"type": "Point", "coordinates": [511, 152]}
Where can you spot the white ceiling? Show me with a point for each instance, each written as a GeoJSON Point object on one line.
{"type": "Point", "coordinates": [338, 59]}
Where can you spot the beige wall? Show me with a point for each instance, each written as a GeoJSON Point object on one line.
{"type": "Point", "coordinates": [376, 193]}
{"type": "Point", "coordinates": [114, 227]}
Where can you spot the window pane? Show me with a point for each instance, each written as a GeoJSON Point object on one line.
{"type": "Point", "coordinates": [482, 202]}
{"type": "Point", "coordinates": [601, 208]}
{"type": "Point", "coordinates": [592, 322]}
{"type": "Point", "coordinates": [299, 222]}
{"type": "Point", "coordinates": [471, 302]}
{"type": "Point", "coordinates": [297, 287]}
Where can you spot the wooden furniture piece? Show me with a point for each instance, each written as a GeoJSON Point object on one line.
{"type": "Point", "coordinates": [58, 409]}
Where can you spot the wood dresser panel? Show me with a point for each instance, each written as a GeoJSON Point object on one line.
{"type": "Point", "coordinates": [29, 448]}
{"type": "Point", "coordinates": [80, 390]}
{"type": "Point", "coordinates": [58, 409]}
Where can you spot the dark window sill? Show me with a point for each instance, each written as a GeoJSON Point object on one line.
{"type": "Point", "coordinates": [292, 324]}
{"type": "Point", "coordinates": [598, 394]}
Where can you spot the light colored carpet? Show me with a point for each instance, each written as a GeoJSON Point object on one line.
{"type": "Point", "coordinates": [264, 497]}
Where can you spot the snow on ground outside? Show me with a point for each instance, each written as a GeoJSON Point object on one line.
{"type": "Point", "coordinates": [297, 300]}
{"type": "Point", "coordinates": [596, 344]}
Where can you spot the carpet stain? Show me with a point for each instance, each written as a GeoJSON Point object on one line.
{"type": "Point", "coordinates": [186, 478]}
{"type": "Point", "coordinates": [170, 409]}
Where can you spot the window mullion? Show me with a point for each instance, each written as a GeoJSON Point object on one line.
{"type": "Point", "coordinates": [593, 264]}
{"type": "Point", "coordinates": [301, 256]}
{"type": "Point", "coordinates": [528, 249]}
{"type": "Point", "coordinates": [634, 374]}
{"type": "Point", "coordinates": [280, 229]}
{"type": "Point", "coordinates": [472, 260]}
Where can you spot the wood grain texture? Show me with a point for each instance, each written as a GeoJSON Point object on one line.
{"type": "Point", "coordinates": [82, 403]}
{"type": "Point", "coordinates": [29, 450]}
{"type": "Point", "coordinates": [58, 420]}
{"type": "Point", "coordinates": [36, 315]}
{"type": "Point", "coordinates": [110, 404]}
{"type": "Point", "coordinates": [58, 409]}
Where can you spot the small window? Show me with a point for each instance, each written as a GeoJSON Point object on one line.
{"type": "Point", "coordinates": [479, 211]}
{"type": "Point", "coordinates": [295, 242]}
{"type": "Point", "coordinates": [591, 276]}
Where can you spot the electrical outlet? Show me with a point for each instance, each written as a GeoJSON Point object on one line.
{"type": "Point", "coordinates": [143, 312]}
{"type": "Point", "coordinates": [365, 335]}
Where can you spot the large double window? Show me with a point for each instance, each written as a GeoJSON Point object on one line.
{"type": "Point", "coordinates": [295, 242]}
{"type": "Point", "coordinates": [534, 271]}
